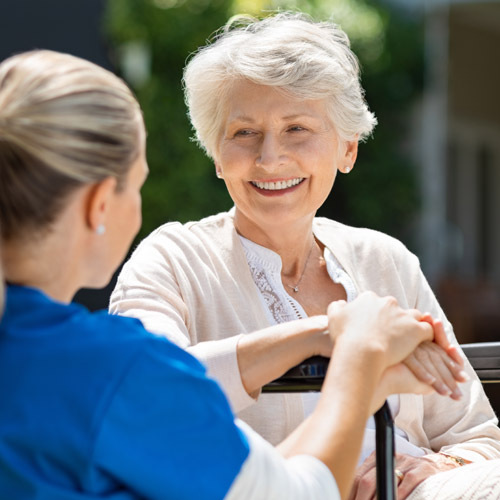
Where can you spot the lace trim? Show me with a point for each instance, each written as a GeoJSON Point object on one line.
{"type": "Point", "coordinates": [265, 267]}
{"type": "Point", "coordinates": [279, 312]}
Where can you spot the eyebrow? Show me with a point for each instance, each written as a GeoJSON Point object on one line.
{"type": "Point", "coordinates": [244, 118]}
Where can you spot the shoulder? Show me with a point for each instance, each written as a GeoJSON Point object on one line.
{"type": "Point", "coordinates": [208, 225]}
{"type": "Point", "coordinates": [190, 248]}
{"type": "Point", "coordinates": [358, 238]}
{"type": "Point", "coordinates": [127, 337]}
{"type": "Point", "coordinates": [175, 239]}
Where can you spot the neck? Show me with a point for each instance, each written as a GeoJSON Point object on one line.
{"type": "Point", "coordinates": [42, 264]}
{"type": "Point", "coordinates": [293, 245]}
{"type": "Point", "coordinates": [52, 260]}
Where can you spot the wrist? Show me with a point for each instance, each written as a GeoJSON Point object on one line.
{"type": "Point", "coordinates": [363, 360]}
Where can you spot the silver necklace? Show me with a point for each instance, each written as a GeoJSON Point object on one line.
{"type": "Point", "coordinates": [295, 287]}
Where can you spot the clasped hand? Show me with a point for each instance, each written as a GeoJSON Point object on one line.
{"type": "Point", "coordinates": [420, 358]}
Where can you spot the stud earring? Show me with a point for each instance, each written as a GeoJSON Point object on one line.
{"type": "Point", "coordinates": [218, 174]}
{"type": "Point", "coordinates": [100, 229]}
{"type": "Point", "coordinates": [347, 169]}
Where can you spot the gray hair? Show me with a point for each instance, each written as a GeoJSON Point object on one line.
{"type": "Point", "coordinates": [305, 59]}
{"type": "Point", "coordinates": [64, 122]}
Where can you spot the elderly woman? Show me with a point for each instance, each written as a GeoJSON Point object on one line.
{"type": "Point", "coordinates": [81, 417]}
{"type": "Point", "coordinates": [277, 104]}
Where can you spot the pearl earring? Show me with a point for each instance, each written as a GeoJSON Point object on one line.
{"type": "Point", "coordinates": [218, 174]}
{"type": "Point", "coordinates": [347, 170]}
{"type": "Point", "coordinates": [100, 229]}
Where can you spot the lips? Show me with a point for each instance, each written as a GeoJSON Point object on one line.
{"type": "Point", "coordinates": [278, 185]}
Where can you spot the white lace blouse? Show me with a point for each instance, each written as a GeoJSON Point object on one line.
{"type": "Point", "coordinates": [265, 267]}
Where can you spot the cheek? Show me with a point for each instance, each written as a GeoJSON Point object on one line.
{"type": "Point", "coordinates": [234, 155]}
{"type": "Point", "coordinates": [137, 213]}
{"type": "Point", "coordinates": [129, 216]}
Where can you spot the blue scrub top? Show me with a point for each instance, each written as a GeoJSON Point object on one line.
{"type": "Point", "coordinates": [93, 406]}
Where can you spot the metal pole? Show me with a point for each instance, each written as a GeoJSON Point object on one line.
{"type": "Point", "coordinates": [384, 439]}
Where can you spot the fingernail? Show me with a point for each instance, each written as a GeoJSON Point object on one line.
{"type": "Point", "coordinates": [464, 375]}
{"type": "Point", "coordinates": [457, 393]}
{"type": "Point", "coordinates": [443, 390]}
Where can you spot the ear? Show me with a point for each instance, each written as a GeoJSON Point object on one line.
{"type": "Point", "coordinates": [349, 155]}
{"type": "Point", "coordinates": [218, 171]}
{"type": "Point", "coordinates": [98, 202]}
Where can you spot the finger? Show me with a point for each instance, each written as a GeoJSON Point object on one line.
{"type": "Point", "coordinates": [449, 371]}
{"type": "Point", "coordinates": [456, 369]}
{"type": "Point", "coordinates": [436, 362]}
{"type": "Point", "coordinates": [412, 478]}
{"type": "Point", "coordinates": [415, 313]}
{"type": "Point", "coordinates": [425, 321]}
{"type": "Point", "coordinates": [399, 379]}
{"type": "Point", "coordinates": [419, 370]}
{"type": "Point", "coordinates": [336, 306]}
{"type": "Point", "coordinates": [367, 486]}
{"type": "Point", "coordinates": [441, 339]}
{"type": "Point", "coordinates": [368, 465]}
{"type": "Point", "coordinates": [455, 354]}
{"type": "Point", "coordinates": [427, 318]}
{"type": "Point", "coordinates": [445, 371]}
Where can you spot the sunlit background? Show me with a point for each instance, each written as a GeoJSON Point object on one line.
{"type": "Point", "coordinates": [430, 175]}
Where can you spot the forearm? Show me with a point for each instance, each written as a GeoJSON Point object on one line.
{"type": "Point", "coordinates": [334, 432]}
{"type": "Point", "coordinates": [266, 474]}
{"type": "Point", "coordinates": [267, 354]}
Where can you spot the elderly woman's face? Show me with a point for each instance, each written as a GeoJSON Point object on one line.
{"type": "Point", "coordinates": [278, 155]}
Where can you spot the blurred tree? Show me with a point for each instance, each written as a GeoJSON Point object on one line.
{"type": "Point", "coordinates": [182, 183]}
{"type": "Point", "coordinates": [156, 37]}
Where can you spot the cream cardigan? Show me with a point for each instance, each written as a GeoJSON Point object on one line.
{"type": "Point", "coordinates": [192, 284]}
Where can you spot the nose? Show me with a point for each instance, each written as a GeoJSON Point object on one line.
{"type": "Point", "coordinates": [271, 153]}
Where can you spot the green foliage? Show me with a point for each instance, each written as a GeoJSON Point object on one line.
{"type": "Point", "coordinates": [380, 192]}
{"type": "Point", "coordinates": [182, 183]}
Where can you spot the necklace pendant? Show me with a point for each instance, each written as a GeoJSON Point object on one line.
{"type": "Point", "coordinates": [295, 289]}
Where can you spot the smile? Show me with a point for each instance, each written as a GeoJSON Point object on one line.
{"type": "Point", "coordinates": [278, 185]}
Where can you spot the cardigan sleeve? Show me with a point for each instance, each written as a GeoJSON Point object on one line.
{"type": "Point", "coordinates": [468, 427]}
{"type": "Point", "coordinates": [149, 288]}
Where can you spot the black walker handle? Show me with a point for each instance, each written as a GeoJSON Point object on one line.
{"type": "Point", "coordinates": [308, 376]}
{"type": "Point", "coordinates": [384, 453]}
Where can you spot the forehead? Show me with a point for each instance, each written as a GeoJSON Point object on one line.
{"type": "Point", "coordinates": [246, 100]}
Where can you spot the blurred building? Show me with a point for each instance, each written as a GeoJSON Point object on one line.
{"type": "Point", "coordinates": [457, 147]}
{"type": "Point", "coordinates": [67, 26]}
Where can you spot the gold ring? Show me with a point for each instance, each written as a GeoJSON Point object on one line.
{"type": "Point", "coordinates": [399, 475]}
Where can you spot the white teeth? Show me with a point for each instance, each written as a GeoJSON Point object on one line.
{"type": "Point", "coordinates": [276, 186]}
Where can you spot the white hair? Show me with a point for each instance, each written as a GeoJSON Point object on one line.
{"type": "Point", "coordinates": [290, 51]}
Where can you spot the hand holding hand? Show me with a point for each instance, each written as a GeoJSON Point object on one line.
{"type": "Point", "coordinates": [438, 363]}
{"type": "Point", "coordinates": [379, 324]}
